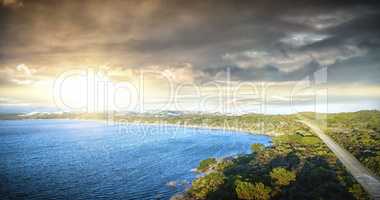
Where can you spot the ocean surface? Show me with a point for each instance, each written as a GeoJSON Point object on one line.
{"type": "Point", "coordinates": [68, 159]}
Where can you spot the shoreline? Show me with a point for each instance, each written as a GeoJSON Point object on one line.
{"type": "Point", "coordinates": [175, 184]}
{"type": "Point", "coordinates": [121, 122]}
{"type": "Point", "coordinates": [202, 127]}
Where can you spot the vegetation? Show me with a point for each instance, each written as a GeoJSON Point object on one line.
{"type": "Point", "coordinates": [207, 186]}
{"type": "Point", "coordinates": [296, 166]}
{"type": "Point", "coordinates": [255, 123]}
{"type": "Point", "coordinates": [249, 191]}
{"type": "Point", "coordinates": [257, 147]}
{"type": "Point", "coordinates": [359, 133]}
{"type": "Point", "coordinates": [282, 177]}
{"type": "Point", "coordinates": [205, 164]}
{"type": "Point", "coordinates": [287, 170]}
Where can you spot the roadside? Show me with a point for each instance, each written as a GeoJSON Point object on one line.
{"type": "Point", "coordinates": [369, 181]}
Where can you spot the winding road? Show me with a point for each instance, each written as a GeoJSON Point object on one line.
{"type": "Point", "coordinates": [369, 181]}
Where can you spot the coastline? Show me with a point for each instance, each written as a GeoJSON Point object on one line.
{"type": "Point", "coordinates": [103, 124]}
{"type": "Point", "coordinates": [202, 127]}
{"type": "Point", "coordinates": [122, 122]}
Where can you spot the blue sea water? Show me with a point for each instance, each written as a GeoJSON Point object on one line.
{"type": "Point", "coordinates": [68, 159]}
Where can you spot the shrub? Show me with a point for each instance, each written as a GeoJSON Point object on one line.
{"type": "Point", "coordinates": [358, 192]}
{"type": "Point", "coordinates": [249, 191]}
{"type": "Point", "coordinates": [257, 147]}
{"type": "Point", "coordinates": [282, 177]}
{"type": "Point", "coordinates": [204, 186]}
{"type": "Point", "coordinates": [205, 164]}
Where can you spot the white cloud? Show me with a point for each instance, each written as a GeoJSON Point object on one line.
{"type": "Point", "coordinates": [22, 82]}
{"type": "Point", "coordinates": [302, 39]}
{"type": "Point", "coordinates": [292, 60]}
{"type": "Point", "coordinates": [25, 69]}
{"type": "Point", "coordinates": [322, 21]}
{"type": "Point", "coordinates": [19, 75]}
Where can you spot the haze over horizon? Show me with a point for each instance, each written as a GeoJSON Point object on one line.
{"type": "Point", "coordinates": [214, 56]}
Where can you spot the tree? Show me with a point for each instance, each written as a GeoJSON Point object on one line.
{"type": "Point", "coordinates": [358, 192]}
{"type": "Point", "coordinates": [249, 191]}
{"type": "Point", "coordinates": [257, 147]}
{"type": "Point", "coordinates": [205, 164]}
{"type": "Point", "coordinates": [282, 177]}
{"type": "Point", "coordinates": [373, 163]}
{"type": "Point", "coordinates": [204, 186]}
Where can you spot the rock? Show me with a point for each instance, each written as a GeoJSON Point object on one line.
{"type": "Point", "coordinates": [178, 197]}
{"type": "Point", "coordinates": [171, 184]}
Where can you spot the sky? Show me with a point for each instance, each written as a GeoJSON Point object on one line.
{"type": "Point", "coordinates": [213, 56]}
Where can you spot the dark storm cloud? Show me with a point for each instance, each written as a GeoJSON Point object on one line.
{"type": "Point", "coordinates": [257, 40]}
{"type": "Point", "coordinates": [266, 73]}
